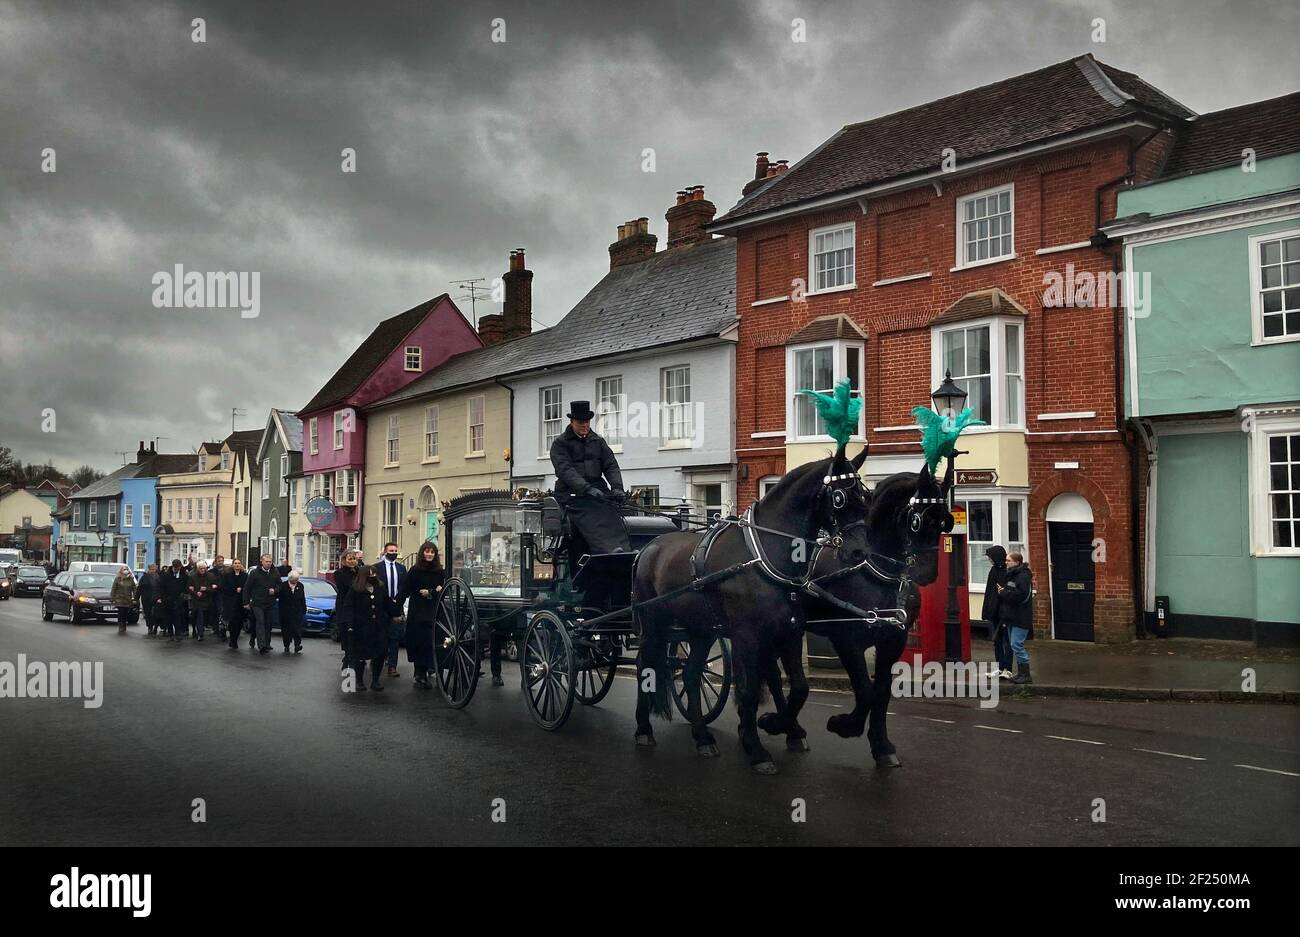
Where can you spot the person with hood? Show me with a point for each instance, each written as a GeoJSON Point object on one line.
{"type": "Point", "coordinates": [174, 584]}
{"type": "Point", "coordinates": [233, 588]}
{"type": "Point", "coordinates": [996, 580]}
{"type": "Point", "coordinates": [151, 600]}
{"type": "Point", "coordinates": [124, 595]}
{"type": "Point", "coordinates": [292, 603]}
{"type": "Point", "coordinates": [202, 590]}
{"type": "Point", "coordinates": [1016, 609]}
{"type": "Point", "coordinates": [423, 587]}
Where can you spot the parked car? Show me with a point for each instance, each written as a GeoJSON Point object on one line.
{"type": "Point", "coordinates": [30, 580]}
{"type": "Point", "coordinates": [321, 597]}
{"type": "Point", "coordinates": [10, 560]}
{"type": "Point", "coordinates": [85, 566]}
{"type": "Point", "coordinates": [80, 596]}
{"type": "Point", "coordinates": [6, 585]}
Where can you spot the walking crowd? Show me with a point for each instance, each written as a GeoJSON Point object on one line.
{"type": "Point", "coordinates": [375, 609]}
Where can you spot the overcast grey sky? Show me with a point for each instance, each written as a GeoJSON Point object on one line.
{"type": "Point", "coordinates": [225, 155]}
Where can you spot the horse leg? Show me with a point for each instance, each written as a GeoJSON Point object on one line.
{"type": "Point", "coordinates": [796, 736]}
{"type": "Point", "coordinates": [746, 660]}
{"type": "Point", "coordinates": [645, 669]}
{"type": "Point", "coordinates": [888, 650]}
{"type": "Point", "coordinates": [705, 744]}
{"type": "Point", "coordinates": [850, 725]}
{"type": "Point", "coordinates": [774, 723]}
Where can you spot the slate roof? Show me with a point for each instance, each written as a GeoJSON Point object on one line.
{"type": "Point", "coordinates": [826, 328]}
{"type": "Point", "coordinates": [978, 305]}
{"type": "Point", "coordinates": [369, 355]}
{"type": "Point", "coordinates": [1214, 140]}
{"type": "Point", "coordinates": [164, 465]}
{"type": "Point", "coordinates": [672, 296]}
{"type": "Point", "coordinates": [1069, 97]}
{"type": "Point", "coordinates": [110, 486]}
{"type": "Point", "coordinates": [292, 430]}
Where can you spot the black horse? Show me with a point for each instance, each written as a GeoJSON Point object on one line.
{"type": "Point", "coordinates": [908, 512]}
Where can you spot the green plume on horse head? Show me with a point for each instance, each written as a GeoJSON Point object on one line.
{"type": "Point", "coordinates": [939, 432]}
{"type": "Point", "coordinates": [839, 409]}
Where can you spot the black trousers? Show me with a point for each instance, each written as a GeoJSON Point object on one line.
{"type": "Point", "coordinates": [376, 670]}
{"type": "Point", "coordinates": [291, 630]}
{"type": "Point", "coordinates": [235, 623]}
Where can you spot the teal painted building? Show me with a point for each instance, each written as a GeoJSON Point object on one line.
{"type": "Point", "coordinates": [1212, 373]}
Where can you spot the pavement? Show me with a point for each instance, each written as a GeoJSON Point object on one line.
{"type": "Point", "coordinates": [276, 754]}
{"type": "Point", "coordinates": [1154, 669]}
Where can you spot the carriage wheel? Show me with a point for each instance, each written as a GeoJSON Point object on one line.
{"type": "Point", "coordinates": [547, 666]}
{"type": "Point", "coordinates": [596, 674]}
{"type": "Point", "coordinates": [456, 643]}
{"type": "Point", "coordinates": [715, 682]}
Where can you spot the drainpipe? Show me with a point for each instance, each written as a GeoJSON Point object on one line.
{"type": "Point", "coordinates": [510, 463]}
{"type": "Point", "coordinates": [1151, 442]}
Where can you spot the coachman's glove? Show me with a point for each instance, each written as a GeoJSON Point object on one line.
{"type": "Point", "coordinates": [617, 495]}
{"type": "Point", "coordinates": [594, 492]}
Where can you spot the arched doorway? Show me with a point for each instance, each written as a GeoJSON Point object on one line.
{"type": "Point", "coordinates": [1072, 576]}
{"type": "Point", "coordinates": [428, 506]}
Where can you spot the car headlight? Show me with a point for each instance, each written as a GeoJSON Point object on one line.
{"type": "Point", "coordinates": [4, 582]}
{"type": "Point", "coordinates": [314, 611]}
{"type": "Point", "coordinates": [86, 599]}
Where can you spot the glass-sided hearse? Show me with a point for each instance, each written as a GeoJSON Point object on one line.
{"type": "Point", "coordinates": [513, 578]}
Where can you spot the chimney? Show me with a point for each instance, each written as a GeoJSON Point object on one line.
{"type": "Point", "coordinates": [635, 243]}
{"type": "Point", "coordinates": [141, 454]}
{"type": "Point", "coordinates": [518, 311]}
{"type": "Point", "coordinates": [492, 329]}
{"type": "Point", "coordinates": [686, 219]}
{"type": "Point", "coordinates": [764, 169]}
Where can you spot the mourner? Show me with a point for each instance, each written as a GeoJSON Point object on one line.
{"type": "Point", "coordinates": [151, 600]}
{"type": "Point", "coordinates": [394, 575]}
{"type": "Point", "coordinates": [343, 577]}
{"type": "Point", "coordinates": [588, 483]}
{"type": "Point", "coordinates": [124, 596]}
{"type": "Point", "coordinates": [233, 587]}
{"type": "Point", "coordinates": [202, 590]}
{"type": "Point", "coordinates": [263, 592]}
{"type": "Point", "coordinates": [293, 612]}
{"type": "Point", "coordinates": [422, 588]}
{"type": "Point", "coordinates": [372, 613]}
{"type": "Point", "coordinates": [175, 617]}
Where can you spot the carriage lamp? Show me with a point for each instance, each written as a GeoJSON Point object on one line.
{"type": "Point", "coordinates": [949, 399]}
{"type": "Point", "coordinates": [530, 516]}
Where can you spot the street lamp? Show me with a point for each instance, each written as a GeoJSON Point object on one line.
{"type": "Point", "coordinates": [949, 400]}
{"type": "Point", "coordinates": [102, 532]}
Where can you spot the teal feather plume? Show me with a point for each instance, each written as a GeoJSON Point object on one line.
{"type": "Point", "coordinates": [939, 433]}
{"type": "Point", "coordinates": [839, 410]}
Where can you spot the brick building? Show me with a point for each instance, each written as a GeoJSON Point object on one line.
{"type": "Point", "coordinates": [925, 241]}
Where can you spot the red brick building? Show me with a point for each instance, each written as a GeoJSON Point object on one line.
{"type": "Point", "coordinates": [923, 241]}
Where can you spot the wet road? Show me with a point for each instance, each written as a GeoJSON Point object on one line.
{"type": "Point", "coordinates": [280, 756]}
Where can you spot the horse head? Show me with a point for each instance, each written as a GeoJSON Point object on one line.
{"type": "Point", "coordinates": [818, 501]}
{"type": "Point", "coordinates": [909, 512]}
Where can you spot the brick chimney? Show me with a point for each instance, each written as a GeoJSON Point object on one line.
{"type": "Point", "coordinates": [686, 219]}
{"type": "Point", "coordinates": [518, 311]}
{"type": "Point", "coordinates": [142, 453]}
{"type": "Point", "coordinates": [492, 329]}
{"type": "Point", "coordinates": [635, 243]}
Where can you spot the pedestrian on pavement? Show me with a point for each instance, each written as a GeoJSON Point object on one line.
{"type": "Point", "coordinates": [1016, 608]}
{"type": "Point", "coordinates": [293, 612]}
{"type": "Point", "coordinates": [263, 593]}
{"type": "Point", "coordinates": [232, 589]}
{"type": "Point", "coordinates": [371, 619]}
{"type": "Point", "coordinates": [125, 597]}
{"type": "Point", "coordinates": [1001, 636]}
{"type": "Point", "coordinates": [394, 575]}
{"type": "Point", "coordinates": [422, 589]}
{"type": "Point", "coordinates": [174, 584]}
{"type": "Point", "coordinates": [151, 600]}
{"type": "Point", "coordinates": [202, 590]}
{"type": "Point", "coordinates": [349, 563]}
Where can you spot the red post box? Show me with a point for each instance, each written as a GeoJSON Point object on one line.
{"type": "Point", "coordinates": [933, 637]}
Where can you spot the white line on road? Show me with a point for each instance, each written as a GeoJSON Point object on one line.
{"type": "Point", "coordinates": [1290, 774]}
{"type": "Point", "coordinates": [1066, 738]}
{"type": "Point", "coordinates": [947, 722]}
{"type": "Point", "coordinates": [1155, 751]}
{"type": "Point", "coordinates": [998, 729]}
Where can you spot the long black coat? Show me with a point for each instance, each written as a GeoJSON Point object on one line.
{"type": "Point", "coordinates": [997, 577]}
{"type": "Point", "coordinates": [343, 577]}
{"type": "Point", "coordinates": [150, 590]}
{"type": "Point", "coordinates": [234, 593]}
{"type": "Point", "coordinates": [581, 462]}
{"type": "Point", "coordinates": [372, 610]}
{"type": "Point", "coordinates": [293, 607]}
{"type": "Point", "coordinates": [173, 586]}
{"type": "Point", "coordinates": [421, 612]}
{"type": "Point", "coordinates": [1016, 607]}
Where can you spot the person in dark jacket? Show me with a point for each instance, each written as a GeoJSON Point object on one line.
{"type": "Point", "coordinates": [992, 599]}
{"type": "Point", "coordinates": [1016, 610]}
{"type": "Point", "coordinates": [219, 569]}
{"type": "Point", "coordinates": [175, 617]}
{"type": "Point", "coordinates": [588, 483]}
{"type": "Point", "coordinates": [423, 588]}
{"type": "Point", "coordinates": [232, 589]}
{"type": "Point", "coordinates": [293, 612]}
{"type": "Point", "coordinates": [343, 577]}
{"type": "Point", "coordinates": [202, 589]}
{"type": "Point", "coordinates": [151, 599]}
{"type": "Point", "coordinates": [262, 596]}
{"type": "Point", "coordinates": [393, 574]}
{"type": "Point", "coordinates": [372, 613]}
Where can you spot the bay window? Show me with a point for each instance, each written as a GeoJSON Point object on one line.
{"type": "Point", "coordinates": [986, 359]}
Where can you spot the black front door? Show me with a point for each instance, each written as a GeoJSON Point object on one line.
{"type": "Point", "coordinates": [1073, 579]}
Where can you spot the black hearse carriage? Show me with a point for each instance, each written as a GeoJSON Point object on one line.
{"type": "Point", "coordinates": [511, 577]}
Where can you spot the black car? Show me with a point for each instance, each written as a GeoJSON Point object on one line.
{"type": "Point", "coordinates": [30, 580]}
{"type": "Point", "coordinates": [6, 584]}
{"type": "Point", "coordinates": [80, 596]}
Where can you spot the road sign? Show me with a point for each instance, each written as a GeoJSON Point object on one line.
{"type": "Point", "coordinates": [977, 476]}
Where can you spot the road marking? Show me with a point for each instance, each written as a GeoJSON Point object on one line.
{"type": "Point", "coordinates": [1290, 774]}
{"type": "Point", "coordinates": [1154, 751]}
{"type": "Point", "coordinates": [998, 729]}
{"type": "Point", "coordinates": [1066, 738]}
{"type": "Point", "coordinates": [947, 722]}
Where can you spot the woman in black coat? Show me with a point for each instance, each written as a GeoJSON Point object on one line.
{"type": "Point", "coordinates": [997, 579]}
{"type": "Point", "coordinates": [292, 603]}
{"type": "Point", "coordinates": [371, 612]}
{"type": "Point", "coordinates": [423, 588]}
{"type": "Point", "coordinates": [174, 584]}
{"type": "Point", "coordinates": [343, 578]}
{"type": "Point", "coordinates": [234, 596]}
{"type": "Point", "coordinates": [1016, 609]}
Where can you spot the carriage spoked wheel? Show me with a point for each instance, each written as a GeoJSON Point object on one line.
{"type": "Point", "coordinates": [548, 666]}
{"type": "Point", "coordinates": [596, 668]}
{"type": "Point", "coordinates": [456, 643]}
{"type": "Point", "coordinates": [715, 682]}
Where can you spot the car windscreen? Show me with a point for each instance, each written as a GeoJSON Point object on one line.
{"type": "Point", "coordinates": [318, 589]}
{"type": "Point", "coordinates": [105, 567]}
{"type": "Point", "coordinates": [92, 581]}
{"type": "Point", "coordinates": [32, 572]}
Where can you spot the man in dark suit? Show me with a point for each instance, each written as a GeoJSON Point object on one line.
{"type": "Point", "coordinates": [393, 575]}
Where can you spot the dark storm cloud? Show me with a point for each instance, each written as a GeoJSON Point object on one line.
{"type": "Point", "coordinates": [226, 156]}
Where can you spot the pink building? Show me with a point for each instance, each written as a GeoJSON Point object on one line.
{"type": "Point", "coordinates": [397, 352]}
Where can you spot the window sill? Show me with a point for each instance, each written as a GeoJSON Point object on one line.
{"type": "Point", "coordinates": [476, 455]}
{"type": "Point", "coordinates": [1279, 340]}
{"type": "Point", "coordinates": [983, 263]}
{"type": "Point", "coordinates": [676, 444]}
{"type": "Point", "coordinates": [768, 302]}
{"type": "Point", "coordinates": [795, 440]}
{"type": "Point", "coordinates": [389, 465]}
{"type": "Point", "coordinates": [1061, 248]}
{"type": "Point", "coordinates": [832, 289]}
{"type": "Point", "coordinates": [1275, 552]}
{"type": "Point", "coordinates": [904, 279]}
{"type": "Point", "coordinates": [434, 460]}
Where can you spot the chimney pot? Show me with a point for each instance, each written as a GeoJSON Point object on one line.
{"type": "Point", "coordinates": [681, 196]}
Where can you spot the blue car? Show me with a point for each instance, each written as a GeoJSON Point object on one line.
{"type": "Point", "coordinates": [321, 596]}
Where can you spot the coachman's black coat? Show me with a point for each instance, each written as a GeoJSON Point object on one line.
{"type": "Point", "coordinates": [421, 612]}
{"type": "Point", "coordinates": [582, 465]}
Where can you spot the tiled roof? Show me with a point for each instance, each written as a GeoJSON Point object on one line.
{"type": "Point", "coordinates": [244, 438]}
{"type": "Point", "coordinates": [978, 305]}
{"type": "Point", "coordinates": [1211, 141]}
{"type": "Point", "coordinates": [110, 486]}
{"type": "Point", "coordinates": [369, 355]}
{"type": "Point", "coordinates": [826, 328]}
{"type": "Point", "coordinates": [211, 448]}
{"type": "Point", "coordinates": [1066, 98]}
{"type": "Point", "coordinates": [164, 465]}
{"type": "Point", "coordinates": [672, 296]}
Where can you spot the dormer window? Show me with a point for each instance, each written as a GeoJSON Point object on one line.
{"type": "Point", "coordinates": [413, 357]}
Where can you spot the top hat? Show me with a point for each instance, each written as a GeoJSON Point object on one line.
{"type": "Point", "coordinates": [580, 410]}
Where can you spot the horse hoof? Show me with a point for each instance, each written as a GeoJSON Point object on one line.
{"type": "Point", "coordinates": [645, 741]}
{"type": "Point", "coordinates": [842, 725]}
{"type": "Point", "coordinates": [770, 723]}
{"type": "Point", "coordinates": [796, 745]}
{"type": "Point", "coordinates": [764, 767]}
{"type": "Point", "coordinates": [707, 751]}
{"type": "Point", "coordinates": [888, 761]}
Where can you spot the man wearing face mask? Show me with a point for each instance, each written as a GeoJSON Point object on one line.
{"type": "Point", "coordinates": [589, 483]}
{"type": "Point", "coordinates": [393, 576]}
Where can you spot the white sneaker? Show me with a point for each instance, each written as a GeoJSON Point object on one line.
{"type": "Point", "coordinates": [1006, 675]}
